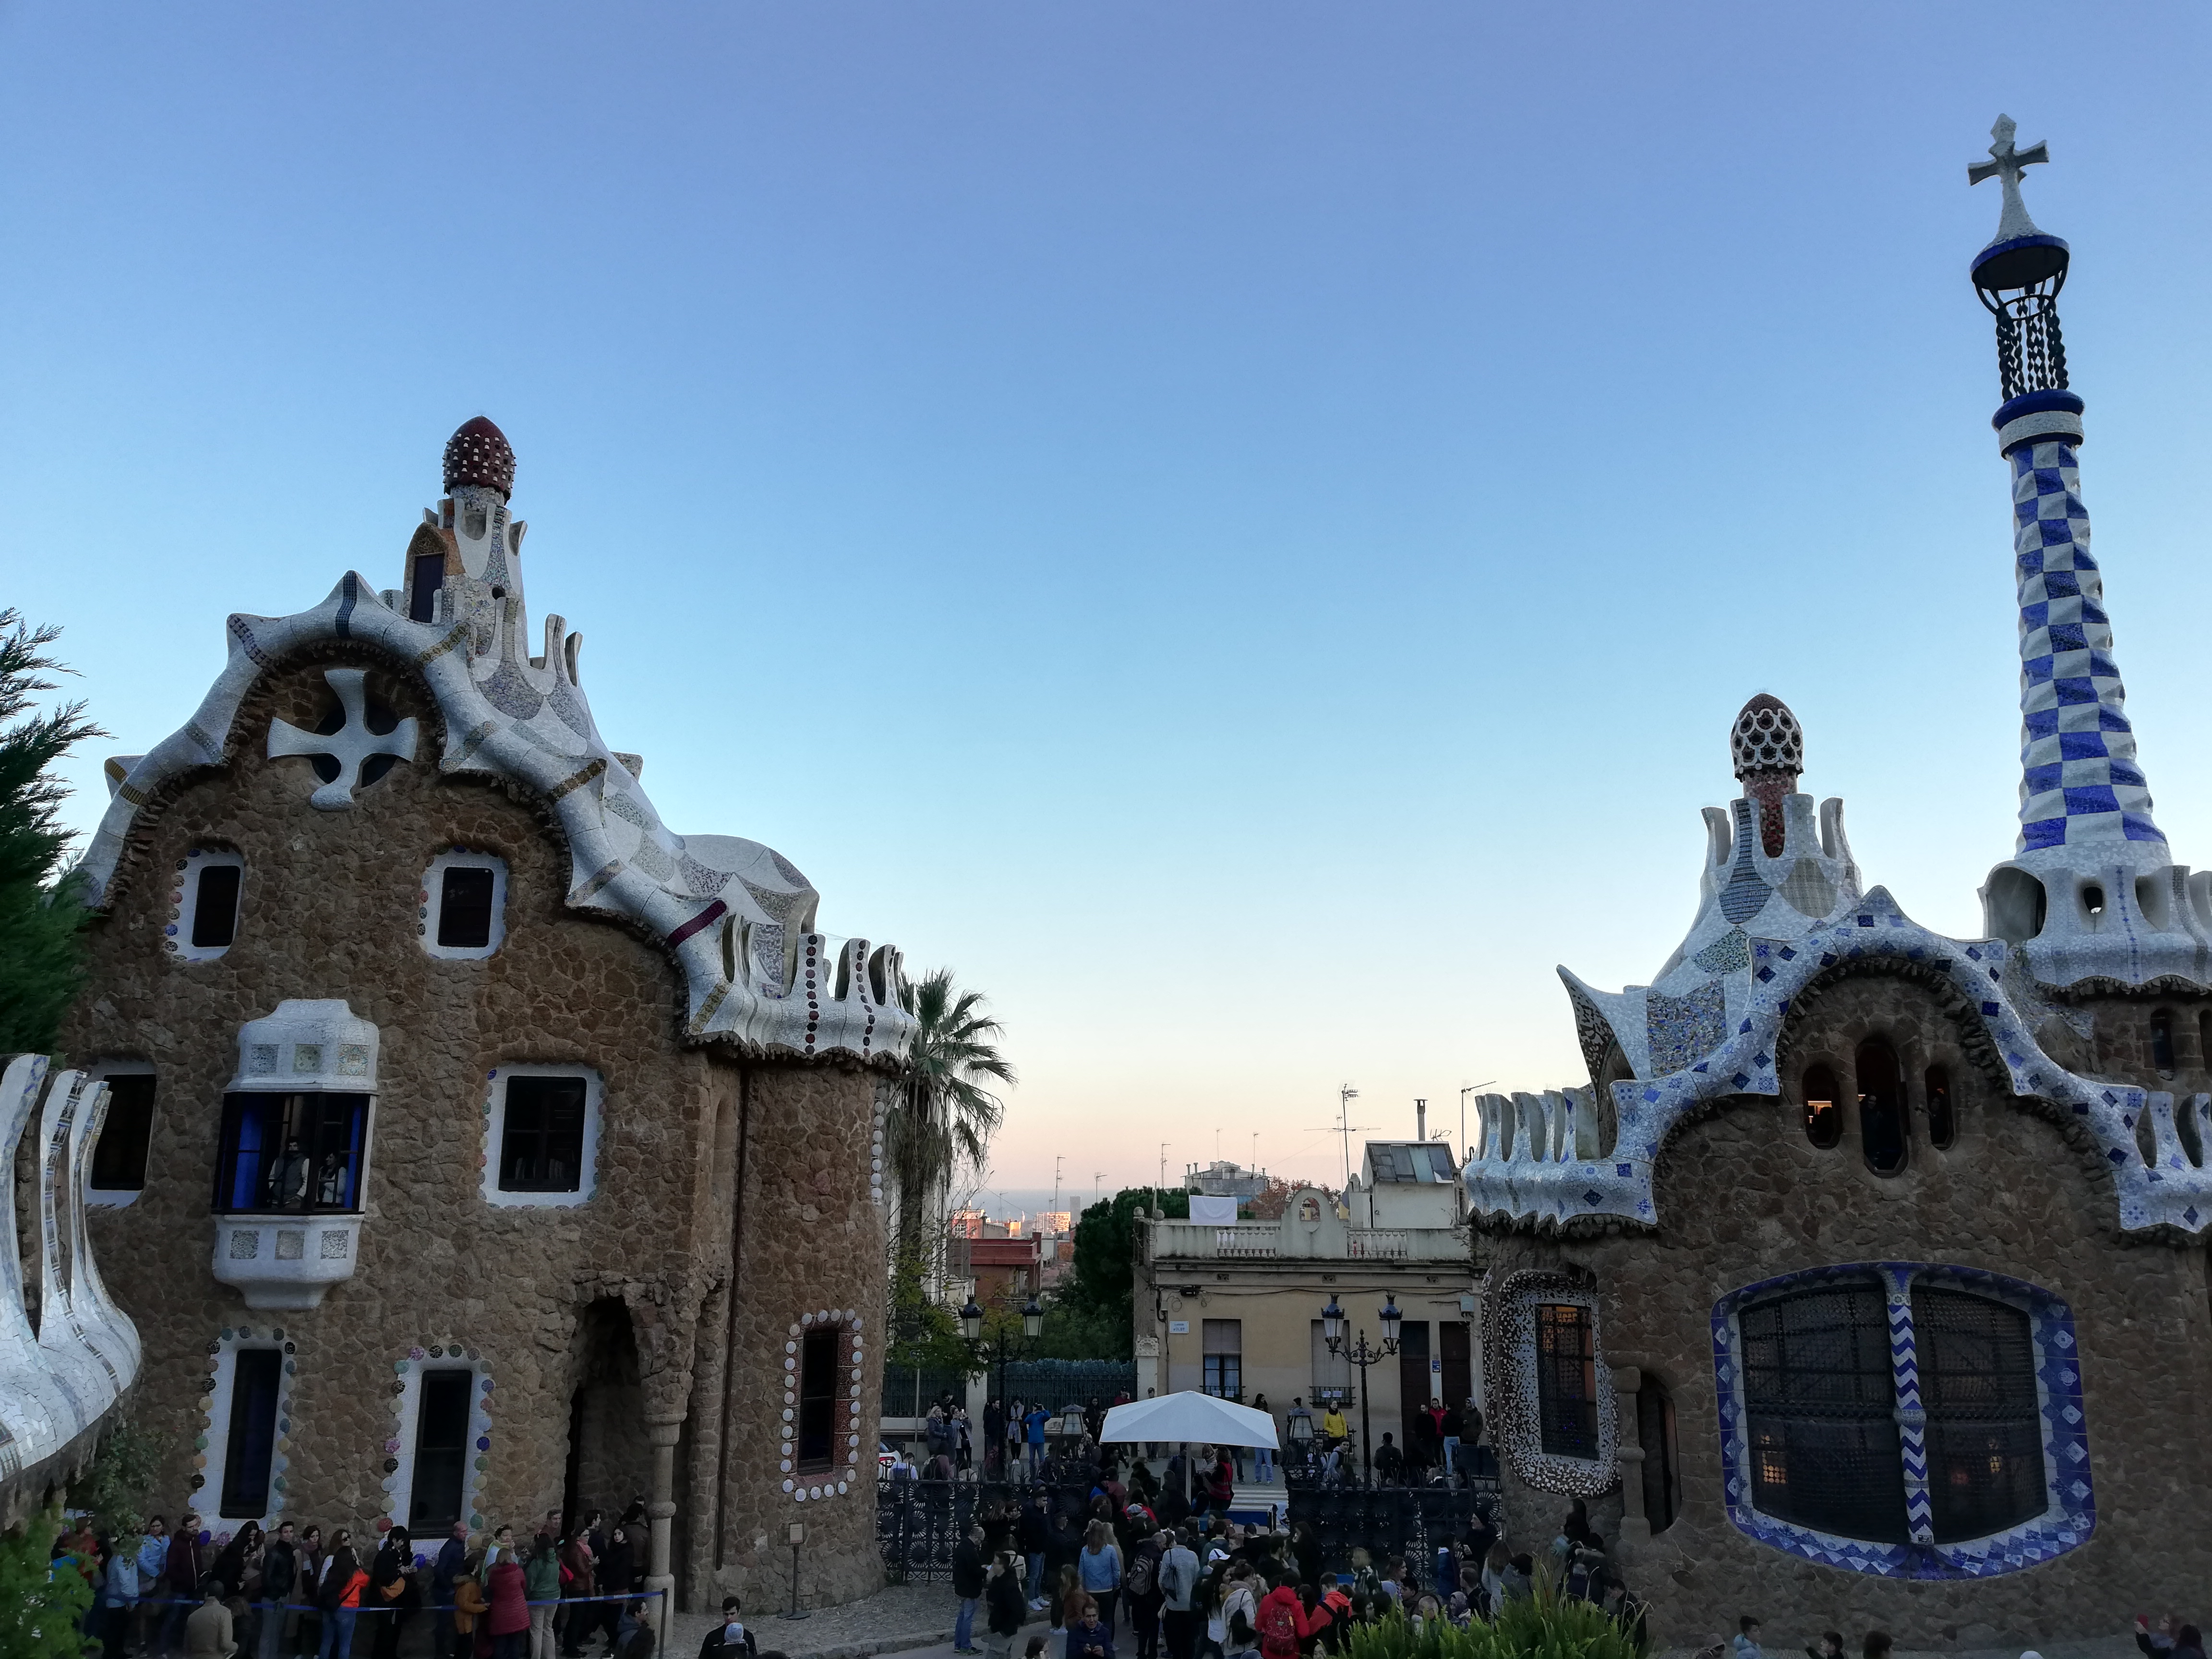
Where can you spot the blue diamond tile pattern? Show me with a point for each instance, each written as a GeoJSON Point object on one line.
{"type": "Point", "coordinates": [2066, 1522]}
{"type": "Point", "coordinates": [2079, 780]}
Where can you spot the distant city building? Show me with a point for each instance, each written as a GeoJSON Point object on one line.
{"type": "Point", "coordinates": [1224, 1179]}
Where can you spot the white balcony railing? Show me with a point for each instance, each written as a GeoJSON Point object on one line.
{"type": "Point", "coordinates": [1269, 1241]}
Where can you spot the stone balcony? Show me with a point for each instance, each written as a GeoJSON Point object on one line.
{"type": "Point", "coordinates": [1265, 1241]}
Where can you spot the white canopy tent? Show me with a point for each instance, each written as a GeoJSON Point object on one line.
{"type": "Point", "coordinates": [1190, 1419]}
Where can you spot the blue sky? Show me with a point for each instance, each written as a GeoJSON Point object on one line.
{"type": "Point", "coordinates": [1241, 527]}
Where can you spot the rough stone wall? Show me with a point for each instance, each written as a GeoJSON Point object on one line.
{"type": "Point", "coordinates": [1743, 1196]}
{"type": "Point", "coordinates": [810, 1239]}
{"type": "Point", "coordinates": [329, 909]}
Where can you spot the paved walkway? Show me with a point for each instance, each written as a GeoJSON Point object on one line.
{"type": "Point", "coordinates": [894, 1621]}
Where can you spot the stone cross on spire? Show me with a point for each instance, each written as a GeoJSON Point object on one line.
{"type": "Point", "coordinates": [2006, 164]}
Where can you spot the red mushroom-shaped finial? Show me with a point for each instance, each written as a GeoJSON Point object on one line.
{"type": "Point", "coordinates": [478, 453]}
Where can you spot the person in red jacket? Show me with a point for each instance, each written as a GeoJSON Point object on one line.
{"type": "Point", "coordinates": [509, 1621]}
{"type": "Point", "coordinates": [1284, 1622]}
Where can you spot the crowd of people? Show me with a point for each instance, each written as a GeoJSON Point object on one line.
{"type": "Point", "coordinates": [1026, 1440]}
{"type": "Point", "coordinates": [293, 1593]}
{"type": "Point", "coordinates": [1188, 1582]}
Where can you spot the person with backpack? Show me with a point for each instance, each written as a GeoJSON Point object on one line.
{"type": "Point", "coordinates": [1140, 1589]}
{"type": "Point", "coordinates": [541, 1584]}
{"type": "Point", "coordinates": [1284, 1622]}
{"type": "Point", "coordinates": [1178, 1582]}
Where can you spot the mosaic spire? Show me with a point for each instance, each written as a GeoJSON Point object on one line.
{"type": "Point", "coordinates": [2079, 783]}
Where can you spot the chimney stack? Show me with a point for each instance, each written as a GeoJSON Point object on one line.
{"type": "Point", "coordinates": [1420, 1119]}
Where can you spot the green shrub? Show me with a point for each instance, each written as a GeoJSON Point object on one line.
{"type": "Point", "coordinates": [1543, 1626]}
{"type": "Point", "coordinates": [41, 1600]}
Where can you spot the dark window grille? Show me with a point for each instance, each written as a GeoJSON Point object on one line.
{"type": "Point", "coordinates": [1655, 1431]}
{"type": "Point", "coordinates": [290, 1154]}
{"type": "Point", "coordinates": [821, 1353]}
{"type": "Point", "coordinates": [465, 907]}
{"type": "Point", "coordinates": [441, 1449]}
{"type": "Point", "coordinates": [1819, 1411]}
{"type": "Point", "coordinates": [1225, 1376]}
{"type": "Point", "coordinates": [1824, 1111]}
{"type": "Point", "coordinates": [1977, 1357]}
{"type": "Point", "coordinates": [252, 1442]}
{"type": "Point", "coordinates": [1881, 1107]}
{"type": "Point", "coordinates": [429, 577]}
{"type": "Point", "coordinates": [1566, 1379]}
{"type": "Point", "coordinates": [542, 1144]}
{"type": "Point", "coordinates": [215, 906]}
{"type": "Point", "coordinates": [1943, 1111]}
{"type": "Point", "coordinates": [118, 1158]}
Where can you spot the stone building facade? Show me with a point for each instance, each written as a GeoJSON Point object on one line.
{"type": "Point", "coordinates": [489, 1147]}
{"type": "Point", "coordinates": [1866, 1284]}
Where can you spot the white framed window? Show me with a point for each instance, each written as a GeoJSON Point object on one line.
{"type": "Point", "coordinates": [462, 916]}
{"type": "Point", "coordinates": [542, 1136]}
{"type": "Point", "coordinates": [206, 902]}
{"type": "Point", "coordinates": [249, 1427]}
{"type": "Point", "coordinates": [116, 1173]}
{"type": "Point", "coordinates": [1905, 1419]}
{"type": "Point", "coordinates": [442, 1428]}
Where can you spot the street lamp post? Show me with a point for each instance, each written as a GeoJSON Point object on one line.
{"type": "Point", "coordinates": [1001, 1349]}
{"type": "Point", "coordinates": [1358, 1353]}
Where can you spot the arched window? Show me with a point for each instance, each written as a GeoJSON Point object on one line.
{"type": "Point", "coordinates": [1881, 1107]}
{"type": "Point", "coordinates": [1655, 1431]}
{"type": "Point", "coordinates": [1942, 1113]}
{"type": "Point", "coordinates": [1984, 1432]}
{"type": "Point", "coordinates": [1822, 1411]}
{"type": "Point", "coordinates": [2161, 1042]}
{"type": "Point", "coordinates": [1919, 1410]}
{"type": "Point", "coordinates": [1824, 1113]}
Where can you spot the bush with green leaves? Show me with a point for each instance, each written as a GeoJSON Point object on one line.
{"type": "Point", "coordinates": [42, 1600]}
{"type": "Point", "coordinates": [1543, 1626]}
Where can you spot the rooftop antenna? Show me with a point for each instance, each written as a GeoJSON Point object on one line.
{"type": "Point", "coordinates": [1345, 1094]}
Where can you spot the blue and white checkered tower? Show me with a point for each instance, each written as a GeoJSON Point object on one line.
{"type": "Point", "coordinates": [2092, 890]}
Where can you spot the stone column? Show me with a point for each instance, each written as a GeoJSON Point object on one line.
{"type": "Point", "coordinates": [1635, 1525]}
{"type": "Point", "coordinates": [663, 1432]}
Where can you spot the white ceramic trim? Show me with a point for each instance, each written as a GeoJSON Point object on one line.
{"type": "Point", "coordinates": [430, 903]}
{"type": "Point", "coordinates": [495, 1118]}
{"type": "Point", "coordinates": [184, 897]}
{"type": "Point", "coordinates": [208, 1499]}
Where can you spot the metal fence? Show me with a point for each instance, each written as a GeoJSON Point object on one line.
{"type": "Point", "coordinates": [911, 1393]}
{"type": "Point", "coordinates": [917, 1523]}
{"type": "Point", "coordinates": [1060, 1383]}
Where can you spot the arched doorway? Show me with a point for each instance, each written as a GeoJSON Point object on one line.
{"type": "Point", "coordinates": [609, 1459]}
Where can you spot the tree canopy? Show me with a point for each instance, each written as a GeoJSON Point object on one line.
{"type": "Point", "coordinates": [1095, 1304]}
{"type": "Point", "coordinates": [39, 963]}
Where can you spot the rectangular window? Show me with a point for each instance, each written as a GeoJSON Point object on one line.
{"type": "Point", "coordinates": [290, 1154]}
{"type": "Point", "coordinates": [214, 907]}
{"type": "Point", "coordinates": [1566, 1379]}
{"type": "Point", "coordinates": [253, 1380]}
{"type": "Point", "coordinates": [820, 1351]}
{"type": "Point", "coordinates": [465, 907]}
{"type": "Point", "coordinates": [1223, 1340]}
{"type": "Point", "coordinates": [442, 1446]}
{"type": "Point", "coordinates": [118, 1158]}
{"type": "Point", "coordinates": [541, 1146]}
{"type": "Point", "coordinates": [429, 577]}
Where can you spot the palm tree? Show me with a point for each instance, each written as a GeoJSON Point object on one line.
{"type": "Point", "coordinates": [942, 1117]}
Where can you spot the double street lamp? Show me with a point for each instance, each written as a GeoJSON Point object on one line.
{"type": "Point", "coordinates": [1358, 1353]}
{"type": "Point", "coordinates": [1001, 1349]}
